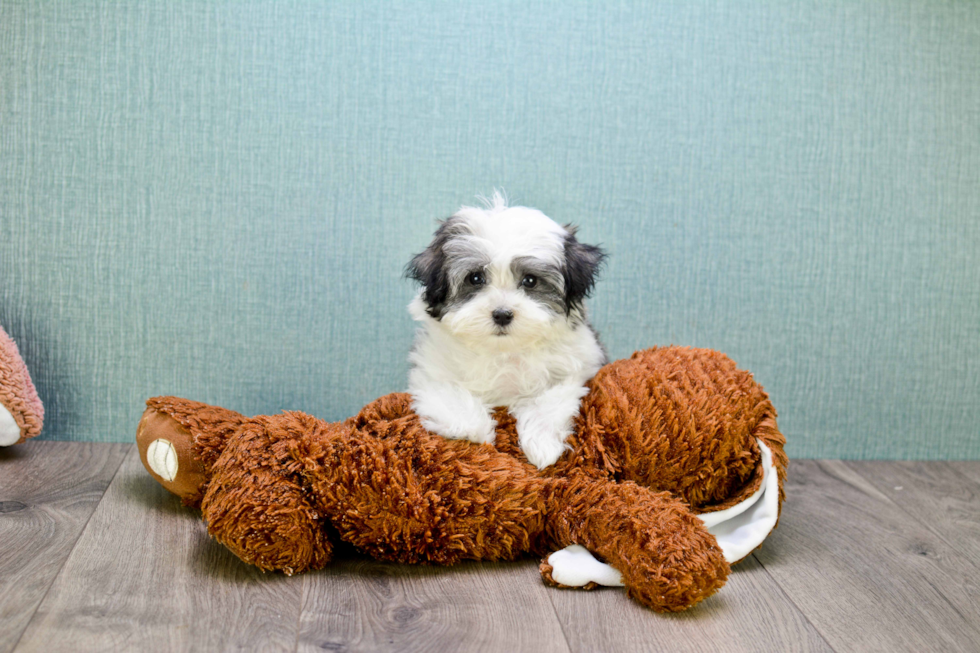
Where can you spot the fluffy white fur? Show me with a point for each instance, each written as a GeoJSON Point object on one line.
{"type": "Point", "coordinates": [464, 364]}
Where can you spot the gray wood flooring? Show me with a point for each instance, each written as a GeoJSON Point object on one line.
{"type": "Point", "coordinates": [95, 556]}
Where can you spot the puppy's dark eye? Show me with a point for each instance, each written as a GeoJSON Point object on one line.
{"type": "Point", "coordinates": [529, 281]}
{"type": "Point", "coordinates": [476, 279]}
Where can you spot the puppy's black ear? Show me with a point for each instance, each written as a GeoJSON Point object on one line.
{"type": "Point", "coordinates": [582, 263]}
{"type": "Point", "coordinates": [429, 269]}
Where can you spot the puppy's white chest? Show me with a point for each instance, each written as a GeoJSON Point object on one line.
{"type": "Point", "coordinates": [507, 379]}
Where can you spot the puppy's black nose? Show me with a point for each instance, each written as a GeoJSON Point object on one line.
{"type": "Point", "coordinates": [503, 316]}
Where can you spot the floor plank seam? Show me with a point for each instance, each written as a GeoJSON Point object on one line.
{"type": "Point", "coordinates": [917, 520]}
{"type": "Point", "coordinates": [960, 474]}
{"type": "Point", "coordinates": [867, 550]}
{"type": "Point", "coordinates": [74, 544]}
{"type": "Point", "coordinates": [790, 600]}
{"type": "Point", "coordinates": [299, 613]}
{"type": "Point", "coordinates": [561, 625]}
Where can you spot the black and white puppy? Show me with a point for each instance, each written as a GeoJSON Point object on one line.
{"type": "Point", "coordinates": [503, 324]}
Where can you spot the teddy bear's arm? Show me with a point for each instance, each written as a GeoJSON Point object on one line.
{"type": "Point", "coordinates": [738, 530]}
{"type": "Point", "coordinates": [256, 506]}
{"type": "Point", "coordinates": [665, 555]}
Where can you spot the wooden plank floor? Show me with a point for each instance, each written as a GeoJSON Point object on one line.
{"type": "Point", "coordinates": [96, 556]}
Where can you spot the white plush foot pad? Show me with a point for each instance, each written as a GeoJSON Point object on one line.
{"type": "Point", "coordinates": [574, 566]}
{"type": "Point", "coordinates": [162, 459]}
{"type": "Point", "coordinates": [739, 530]}
{"type": "Point", "coordinates": [9, 431]}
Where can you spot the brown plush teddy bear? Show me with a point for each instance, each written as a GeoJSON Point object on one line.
{"type": "Point", "coordinates": [674, 471]}
{"type": "Point", "coordinates": [21, 412]}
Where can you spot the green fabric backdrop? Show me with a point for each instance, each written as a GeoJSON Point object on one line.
{"type": "Point", "coordinates": [217, 199]}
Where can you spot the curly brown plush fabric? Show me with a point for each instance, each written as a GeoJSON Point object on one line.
{"type": "Point", "coordinates": [17, 393]}
{"type": "Point", "coordinates": [661, 436]}
{"type": "Point", "coordinates": [678, 419]}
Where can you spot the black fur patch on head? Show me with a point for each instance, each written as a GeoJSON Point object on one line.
{"type": "Point", "coordinates": [429, 269]}
{"type": "Point", "coordinates": [549, 290]}
{"type": "Point", "coordinates": [582, 263]}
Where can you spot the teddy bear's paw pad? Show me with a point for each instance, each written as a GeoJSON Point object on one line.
{"type": "Point", "coordinates": [575, 566]}
{"type": "Point", "coordinates": [168, 452]}
{"type": "Point", "coordinates": [9, 431]}
{"type": "Point", "coordinates": [743, 527]}
{"type": "Point", "coordinates": [162, 459]}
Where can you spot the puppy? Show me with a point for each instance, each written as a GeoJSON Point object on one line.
{"type": "Point", "coordinates": [503, 324]}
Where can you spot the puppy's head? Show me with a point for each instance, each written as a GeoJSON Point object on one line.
{"type": "Point", "coordinates": [509, 276]}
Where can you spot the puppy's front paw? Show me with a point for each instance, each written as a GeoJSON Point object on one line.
{"type": "Point", "coordinates": [452, 412]}
{"type": "Point", "coordinates": [543, 423]}
{"type": "Point", "coordinates": [543, 450]}
{"type": "Point", "coordinates": [543, 426]}
{"type": "Point", "coordinates": [476, 427]}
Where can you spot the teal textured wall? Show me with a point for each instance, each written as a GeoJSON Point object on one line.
{"type": "Point", "coordinates": [217, 199]}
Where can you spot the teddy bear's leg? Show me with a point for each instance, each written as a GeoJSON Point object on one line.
{"type": "Point", "coordinates": [210, 426]}
{"type": "Point", "coordinates": [179, 441]}
{"type": "Point", "coordinates": [665, 556]}
{"type": "Point", "coordinates": [21, 411]}
{"type": "Point", "coordinates": [256, 505]}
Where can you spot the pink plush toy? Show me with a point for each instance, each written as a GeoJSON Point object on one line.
{"type": "Point", "coordinates": [21, 412]}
